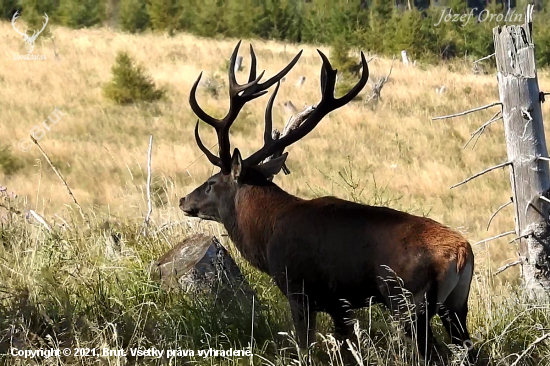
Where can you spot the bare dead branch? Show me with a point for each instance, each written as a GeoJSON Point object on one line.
{"type": "Point", "coordinates": [532, 345]}
{"type": "Point", "coordinates": [275, 134]}
{"type": "Point", "coordinates": [484, 58]}
{"type": "Point", "coordinates": [292, 123]}
{"type": "Point", "coordinates": [481, 173]}
{"type": "Point", "coordinates": [530, 204]}
{"type": "Point", "coordinates": [543, 158]}
{"type": "Point", "coordinates": [150, 207]}
{"type": "Point", "coordinates": [521, 237]}
{"type": "Point", "coordinates": [296, 120]}
{"type": "Point", "coordinates": [496, 237]}
{"type": "Point", "coordinates": [479, 135]}
{"type": "Point", "coordinates": [544, 199]}
{"type": "Point", "coordinates": [481, 129]}
{"type": "Point", "coordinates": [505, 267]}
{"type": "Point", "coordinates": [496, 212]}
{"type": "Point", "coordinates": [377, 88]}
{"type": "Point", "coordinates": [62, 179]}
{"type": "Point", "coordinates": [41, 220]}
{"type": "Point", "coordinates": [468, 111]}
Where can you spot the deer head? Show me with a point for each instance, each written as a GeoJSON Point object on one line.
{"type": "Point", "coordinates": [29, 41]}
{"type": "Point", "coordinates": [214, 199]}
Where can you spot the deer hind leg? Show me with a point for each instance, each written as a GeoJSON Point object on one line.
{"type": "Point", "coordinates": [425, 340]}
{"type": "Point", "coordinates": [416, 320]}
{"type": "Point", "coordinates": [454, 312]}
{"type": "Point", "coordinates": [415, 311]}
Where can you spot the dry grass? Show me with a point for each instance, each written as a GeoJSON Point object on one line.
{"type": "Point", "coordinates": [398, 155]}
{"type": "Point", "coordinates": [101, 148]}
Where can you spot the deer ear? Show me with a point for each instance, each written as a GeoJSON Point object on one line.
{"type": "Point", "coordinates": [236, 165]}
{"type": "Point", "coordinates": [272, 167]}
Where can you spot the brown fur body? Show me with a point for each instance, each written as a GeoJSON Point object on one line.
{"type": "Point", "coordinates": [335, 249]}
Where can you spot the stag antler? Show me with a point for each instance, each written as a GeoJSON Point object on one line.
{"type": "Point", "coordinates": [327, 104]}
{"type": "Point", "coordinates": [239, 95]}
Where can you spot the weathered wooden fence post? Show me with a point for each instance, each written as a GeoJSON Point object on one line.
{"type": "Point", "coordinates": [526, 146]}
{"type": "Point", "coordinates": [520, 102]}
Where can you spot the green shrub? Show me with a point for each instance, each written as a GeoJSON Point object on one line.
{"type": "Point", "coordinates": [542, 39]}
{"type": "Point", "coordinates": [130, 83]}
{"type": "Point", "coordinates": [163, 14]}
{"type": "Point", "coordinates": [8, 7]}
{"type": "Point", "coordinates": [35, 9]}
{"type": "Point", "coordinates": [79, 14]}
{"type": "Point", "coordinates": [208, 19]}
{"type": "Point", "coordinates": [133, 16]}
{"type": "Point", "coordinates": [8, 163]}
{"type": "Point", "coordinates": [379, 20]}
{"type": "Point", "coordinates": [239, 17]}
{"type": "Point", "coordinates": [340, 58]}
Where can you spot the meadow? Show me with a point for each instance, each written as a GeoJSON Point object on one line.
{"type": "Point", "coordinates": [65, 287]}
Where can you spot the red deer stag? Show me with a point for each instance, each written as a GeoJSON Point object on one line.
{"type": "Point", "coordinates": [327, 254]}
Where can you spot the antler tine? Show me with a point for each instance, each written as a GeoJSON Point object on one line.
{"type": "Point", "coordinates": [211, 157]}
{"type": "Point", "coordinates": [328, 77]}
{"type": "Point", "coordinates": [269, 116]}
{"type": "Point", "coordinates": [216, 123]}
{"type": "Point", "coordinates": [327, 104]}
{"type": "Point", "coordinates": [280, 74]}
{"type": "Point", "coordinates": [253, 86]}
{"type": "Point", "coordinates": [250, 87]}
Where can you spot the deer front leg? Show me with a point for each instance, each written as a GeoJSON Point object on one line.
{"type": "Point", "coordinates": [305, 319]}
{"type": "Point", "coordinates": [344, 320]}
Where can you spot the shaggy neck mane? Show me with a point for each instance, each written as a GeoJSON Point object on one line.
{"type": "Point", "coordinates": [250, 227]}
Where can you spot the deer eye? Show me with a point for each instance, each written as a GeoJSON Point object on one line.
{"type": "Point", "coordinates": [209, 186]}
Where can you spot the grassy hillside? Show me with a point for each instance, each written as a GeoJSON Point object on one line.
{"type": "Point", "coordinates": [64, 288]}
